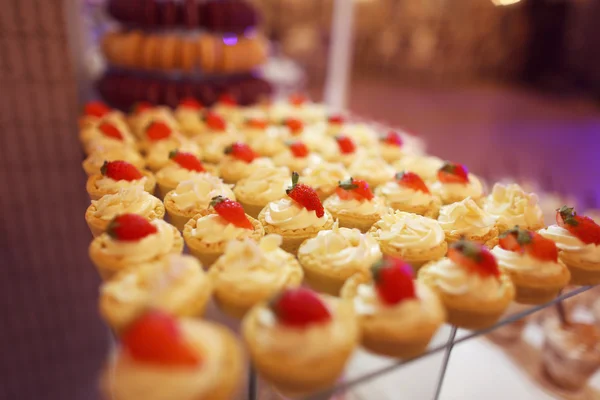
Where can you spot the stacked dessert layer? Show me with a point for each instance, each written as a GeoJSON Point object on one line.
{"type": "Point", "coordinates": [320, 233]}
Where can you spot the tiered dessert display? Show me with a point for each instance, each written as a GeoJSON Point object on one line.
{"type": "Point", "coordinates": [319, 233]}
{"type": "Point", "coordinates": [167, 50]}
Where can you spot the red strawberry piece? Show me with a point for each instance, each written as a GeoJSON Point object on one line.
{"type": "Point", "coordinates": [214, 121]}
{"type": "Point", "coordinates": [111, 131]}
{"type": "Point", "coordinates": [393, 138]}
{"type": "Point", "coordinates": [354, 189]}
{"type": "Point", "coordinates": [299, 149]}
{"type": "Point", "coordinates": [186, 160]}
{"type": "Point", "coordinates": [294, 125]}
{"type": "Point", "coordinates": [393, 279]}
{"type": "Point", "coordinates": [130, 228]}
{"type": "Point", "coordinates": [120, 171]}
{"type": "Point", "coordinates": [534, 244]}
{"type": "Point", "coordinates": [584, 228]}
{"type": "Point", "coordinates": [297, 99]}
{"type": "Point", "coordinates": [142, 106]}
{"type": "Point", "coordinates": [155, 338]}
{"type": "Point", "coordinates": [96, 109]}
{"type": "Point", "coordinates": [256, 123]}
{"type": "Point", "coordinates": [241, 151]}
{"type": "Point", "coordinates": [300, 307]}
{"type": "Point", "coordinates": [345, 144]}
{"type": "Point", "coordinates": [514, 239]}
{"type": "Point", "coordinates": [305, 196]}
{"type": "Point", "coordinates": [158, 130]}
{"type": "Point", "coordinates": [412, 181]}
{"type": "Point", "coordinates": [475, 257]}
{"type": "Point", "coordinates": [231, 211]}
{"type": "Point", "coordinates": [453, 173]}
{"type": "Point", "coordinates": [227, 100]}
{"type": "Point", "coordinates": [191, 103]}
{"type": "Point", "coordinates": [336, 119]}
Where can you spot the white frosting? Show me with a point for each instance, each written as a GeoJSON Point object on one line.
{"type": "Point", "coordinates": [287, 214]}
{"type": "Point", "coordinates": [425, 166]}
{"type": "Point", "coordinates": [158, 154]}
{"type": "Point", "coordinates": [324, 175]}
{"type": "Point", "coordinates": [395, 193]}
{"type": "Point", "coordinates": [96, 159]}
{"type": "Point", "coordinates": [294, 163]}
{"type": "Point", "coordinates": [569, 243]}
{"type": "Point", "coordinates": [371, 169]}
{"type": "Point", "coordinates": [197, 193]}
{"type": "Point", "coordinates": [343, 248]}
{"type": "Point", "coordinates": [107, 183]}
{"type": "Point", "coordinates": [127, 201]}
{"type": "Point", "coordinates": [270, 143]}
{"type": "Point", "coordinates": [264, 184]}
{"type": "Point", "coordinates": [465, 218]}
{"type": "Point", "coordinates": [448, 191]}
{"type": "Point", "coordinates": [175, 173]}
{"type": "Point", "coordinates": [242, 169]}
{"type": "Point", "coordinates": [213, 228]}
{"type": "Point", "coordinates": [512, 206]}
{"type": "Point", "coordinates": [512, 260]}
{"type": "Point", "coordinates": [404, 230]}
{"type": "Point", "coordinates": [150, 247]}
{"type": "Point", "coordinates": [352, 206]}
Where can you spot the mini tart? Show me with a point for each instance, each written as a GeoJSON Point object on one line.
{"type": "Point", "coordinates": [359, 214]}
{"type": "Point", "coordinates": [193, 197]}
{"type": "Point", "coordinates": [112, 255]}
{"type": "Point", "coordinates": [471, 300]}
{"type": "Point", "coordinates": [113, 116]}
{"type": "Point", "coordinates": [140, 121]}
{"type": "Point", "coordinates": [313, 356]}
{"type": "Point", "coordinates": [93, 162]}
{"type": "Point", "coordinates": [91, 132]}
{"type": "Point", "coordinates": [232, 170]}
{"type": "Point", "coordinates": [361, 134]}
{"type": "Point", "coordinates": [307, 112]}
{"type": "Point", "coordinates": [175, 141]}
{"type": "Point", "coordinates": [454, 192]}
{"type": "Point", "coordinates": [536, 282]}
{"type": "Point", "coordinates": [132, 200]}
{"type": "Point", "coordinates": [289, 160]}
{"type": "Point", "coordinates": [512, 206]}
{"type": "Point", "coordinates": [401, 330]}
{"type": "Point", "coordinates": [100, 185]}
{"type": "Point", "coordinates": [96, 141]}
{"type": "Point", "coordinates": [261, 187]}
{"type": "Point", "coordinates": [406, 199]}
{"type": "Point", "coordinates": [217, 377]}
{"type": "Point", "coordinates": [157, 156]}
{"type": "Point", "coordinates": [324, 177]}
{"type": "Point", "coordinates": [191, 122]}
{"type": "Point", "coordinates": [374, 170]}
{"type": "Point", "coordinates": [583, 260]}
{"type": "Point", "coordinates": [333, 256]}
{"type": "Point", "coordinates": [467, 220]}
{"type": "Point", "coordinates": [249, 273]}
{"type": "Point", "coordinates": [206, 236]}
{"type": "Point", "coordinates": [175, 284]}
{"type": "Point", "coordinates": [391, 153]}
{"type": "Point", "coordinates": [270, 143]}
{"type": "Point", "coordinates": [425, 166]}
{"type": "Point", "coordinates": [292, 222]}
{"type": "Point", "coordinates": [213, 144]}
{"type": "Point", "coordinates": [411, 237]}
{"type": "Point", "coordinates": [172, 174]}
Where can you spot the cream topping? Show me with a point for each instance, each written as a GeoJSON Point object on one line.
{"type": "Point", "coordinates": [197, 193]}
{"type": "Point", "coordinates": [242, 169]}
{"type": "Point", "coordinates": [512, 206]}
{"type": "Point", "coordinates": [270, 143]}
{"type": "Point", "coordinates": [324, 175]}
{"type": "Point", "coordinates": [175, 173]}
{"type": "Point", "coordinates": [409, 231]}
{"type": "Point", "coordinates": [570, 243]}
{"type": "Point", "coordinates": [287, 214]}
{"type": "Point", "coordinates": [152, 246]}
{"type": "Point", "coordinates": [473, 189]}
{"type": "Point", "coordinates": [512, 260]}
{"type": "Point", "coordinates": [425, 166]}
{"type": "Point", "coordinates": [107, 183]}
{"type": "Point", "coordinates": [353, 206]}
{"type": "Point", "coordinates": [395, 193]}
{"type": "Point", "coordinates": [361, 134]}
{"type": "Point", "coordinates": [97, 158]}
{"type": "Point", "coordinates": [158, 153]}
{"type": "Point", "coordinates": [213, 228]}
{"type": "Point", "coordinates": [374, 168]}
{"type": "Point", "coordinates": [265, 184]}
{"type": "Point", "coordinates": [465, 218]}
{"type": "Point", "coordinates": [133, 200]}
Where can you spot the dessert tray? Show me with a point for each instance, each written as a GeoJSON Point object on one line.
{"type": "Point", "coordinates": [308, 235]}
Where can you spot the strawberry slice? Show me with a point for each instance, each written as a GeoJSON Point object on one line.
{"type": "Point", "coordinates": [345, 144]}
{"type": "Point", "coordinates": [584, 228]}
{"type": "Point", "coordinates": [158, 130]}
{"type": "Point", "coordinates": [294, 125]}
{"type": "Point", "coordinates": [299, 150]}
{"type": "Point", "coordinates": [524, 241]}
{"type": "Point", "coordinates": [110, 130]}
{"type": "Point", "coordinates": [394, 139]}
{"type": "Point", "coordinates": [474, 257]}
{"type": "Point", "coordinates": [514, 239]}
{"type": "Point", "coordinates": [336, 119]}
{"type": "Point", "coordinates": [241, 151]}
{"type": "Point", "coordinates": [186, 160]}
{"type": "Point", "coordinates": [191, 103]}
{"type": "Point", "coordinates": [354, 189]}
{"type": "Point", "coordinates": [96, 109]}
{"type": "Point", "coordinates": [120, 171]}
{"type": "Point", "coordinates": [393, 279]}
{"type": "Point", "coordinates": [257, 123]}
{"type": "Point", "coordinates": [155, 338]}
{"type": "Point", "coordinates": [453, 173]}
{"type": "Point", "coordinates": [305, 196]}
{"type": "Point", "coordinates": [297, 99]}
{"type": "Point", "coordinates": [130, 228]}
{"type": "Point", "coordinates": [231, 211]}
{"type": "Point", "coordinates": [299, 308]}
{"type": "Point", "coordinates": [214, 121]}
{"type": "Point", "coordinates": [227, 99]}
{"type": "Point", "coordinates": [141, 107]}
{"type": "Point", "coordinates": [412, 181]}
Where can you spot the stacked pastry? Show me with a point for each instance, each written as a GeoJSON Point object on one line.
{"type": "Point", "coordinates": [388, 242]}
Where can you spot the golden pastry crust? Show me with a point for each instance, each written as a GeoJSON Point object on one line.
{"type": "Point", "coordinates": [96, 193]}
{"type": "Point", "coordinates": [109, 265]}
{"type": "Point", "coordinates": [490, 239]}
{"type": "Point", "coordinates": [293, 238]}
{"type": "Point", "coordinates": [534, 288]}
{"type": "Point", "coordinates": [98, 226]}
{"type": "Point", "coordinates": [583, 272]}
{"type": "Point", "coordinates": [251, 209]}
{"type": "Point", "coordinates": [179, 217]}
{"type": "Point", "coordinates": [348, 219]}
{"type": "Point", "coordinates": [208, 253]}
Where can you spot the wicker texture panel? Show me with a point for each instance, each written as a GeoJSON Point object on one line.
{"type": "Point", "coordinates": [53, 342]}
